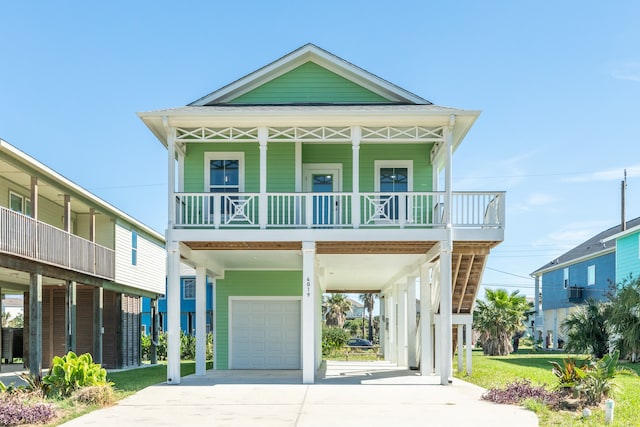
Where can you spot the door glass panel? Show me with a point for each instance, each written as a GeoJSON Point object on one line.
{"type": "Point", "coordinates": [224, 177]}
{"type": "Point", "coordinates": [393, 180]}
{"type": "Point", "coordinates": [323, 206]}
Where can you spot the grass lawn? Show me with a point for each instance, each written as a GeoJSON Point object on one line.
{"type": "Point", "coordinates": [490, 371]}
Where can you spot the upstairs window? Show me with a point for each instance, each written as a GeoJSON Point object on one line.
{"type": "Point", "coordinates": [19, 204]}
{"type": "Point", "coordinates": [134, 248]}
{"type": "Point", "coordinates": [189, 289]}
{"type": "Point", "coordinates": [565, 278]}
{"type": "Point", "coordinates": [591, 275]}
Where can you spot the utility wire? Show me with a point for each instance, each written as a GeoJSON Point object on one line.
{"type": "Point", "coordinates": [510, 274]}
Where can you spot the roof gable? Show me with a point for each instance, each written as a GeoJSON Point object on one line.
{"type": "Point", "coordinates": [318, 68]}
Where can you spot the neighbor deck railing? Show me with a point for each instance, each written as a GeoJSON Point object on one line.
{"type": "Point", "coordinates": [26, 237]}
{"type": "Point", "coordinates": [338, 210]}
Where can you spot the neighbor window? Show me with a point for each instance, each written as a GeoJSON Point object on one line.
{"type": "Point", "coordinates": [134, 248]}
{"type": "Point", "coordinates": [189, 288]}
{"type": "Point", "coordinates": [591, 275]}
{"type": "Point", "coordinates": [19, 204]}
{"type": "Point", "coordinates": [565, 278]}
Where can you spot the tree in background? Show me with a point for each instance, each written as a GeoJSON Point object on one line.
{"type": "Point", "coordinates": [368, 300]}
{"type": "Point", "coordinates": [624, 318]}
{"type": "Point", "coordinates": [587, 329]}
{"type": "Point", "coordinates": [337, 306]}
{"type": "Point", "coordinates": [498, 318]}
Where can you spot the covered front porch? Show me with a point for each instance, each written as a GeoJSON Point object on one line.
{"type": "Point", "coordinates": [401, 272]}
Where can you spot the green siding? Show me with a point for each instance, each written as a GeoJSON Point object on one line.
{"type": "Point", "coordinates": [331, 153]}
{"type": "Point", "coordinates": [248, 283]}
{"type": "Point", "coordinates": [419, 153]}
{"type": "Point", "coordinates": [627, 257]}
{"type": "Point", "coordinates": [194, 172]}
{"type": "Point", "coordinates": [281, 167]}
{"type": "Point", "coordinates": [309, 83]}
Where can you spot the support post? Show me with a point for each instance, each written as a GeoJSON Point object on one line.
{"type": "Point", "coordinates": [173, 313]}
{"type": "Point", "coordinates": [402, 324]}
{"type": "Point", "coordinates": [34, 197]}
{"type": "Point", "coordinates": [153, 351]}
{"type": "Point", "coordinates": [35, 325]}
{"type": "Point", "coordinates": [356, 133]}
{"type": "Point", "coordinates": [66, 215]}
{"type": "Point", "coordinates": [263, 210]}
{"type": "Point", "coordinates": [468, 342]}
{"type": "Point", "coordinates": [460, 346]}
{"type": "Point", "coordinates": [98, 329]}
{"type": "Point", "coordinates": [445, 313]}
{"type": "Point", "coordinates": [382, 333]}
{"type": "Point", "coordinates": [426, 338]}
{"type": "Point", "coordinates": [214, 321]}
{"type": "Point", "coordinates": [201, 320]}
{"type": "Point", "coordinates": [411, 323]}
{"type": "Point", "coordinates": [308, 310]}
{"type": "Point", "coordinates": [72, 331]}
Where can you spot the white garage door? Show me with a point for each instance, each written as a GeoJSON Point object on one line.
{"type": "Point", "coordinates": [265, 334]}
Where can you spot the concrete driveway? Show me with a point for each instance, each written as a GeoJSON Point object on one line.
{"type": "Point", "coordinates": [365, 394]}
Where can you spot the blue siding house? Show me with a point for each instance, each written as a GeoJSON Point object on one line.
{"type": "Point", "coordinates": [187, 308]}
{"type": "Point", "coordinates": [586, 271]}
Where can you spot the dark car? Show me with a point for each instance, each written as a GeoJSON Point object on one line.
{"type": "Point", "coordinates": [359, 342]}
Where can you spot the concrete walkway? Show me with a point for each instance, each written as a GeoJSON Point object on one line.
{"type": "Point", "coordinates": [365, 394]}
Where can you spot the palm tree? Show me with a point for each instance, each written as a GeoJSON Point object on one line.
{"type": "Point", "coordinates": [337, 306]}
{"type": "Point", "coordinates": [498, 318]}
{"type": "Point", "coordinates": [368, 300]}
{"type": "Point", "coordinates": [587, 330]}
{"type": "Point", "coordinates": [624, 318]}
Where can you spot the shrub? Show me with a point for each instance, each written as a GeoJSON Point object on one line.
{"type": "Point", "coordinates": [101, 395]}
{"type": "Point", "coordinates": [187, 346]}
{"type": "Point", "coordinates": [520, 390]}
{"type": "Point", "coordinates": [71, 372]}
{"type": "Point", "coordinates": [15, 411]}
{"type": "Point", "coordinates": [332, 339]}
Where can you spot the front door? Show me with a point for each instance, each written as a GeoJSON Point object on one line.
{"type": "Point", "coordinates": [323, 179]}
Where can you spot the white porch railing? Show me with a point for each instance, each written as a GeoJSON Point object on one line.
{"type": "Point", "coordinates": [25, 237]}
{"type": "Point", "coordinates": [341, 210]}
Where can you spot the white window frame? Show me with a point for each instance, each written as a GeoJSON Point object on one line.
{"type": "Point", "coordinates": [223, 155]}
{"type": "Point", "coordinates": [184, 288]}
{"type": "Point", "coordinates": [591, 275]}
{"type": "Point", "coordinates": [23, 202]}
{"type": "Point", "coordinates": [565, 277]}
{"type": "Point", "coordinates": [134, 247]}
{"type": "Point", "coordinates": [379, 164]}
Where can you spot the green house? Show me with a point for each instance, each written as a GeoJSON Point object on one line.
{"type": "Point", "coordinates": [312, 175]}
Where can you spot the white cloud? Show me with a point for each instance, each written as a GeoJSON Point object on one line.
{"type": "Point", "coordinates": [607, 174]}
{"type": "Point", "coordinates": [628, 71]}
{"type": "Point", "coordinates": [572, 234]}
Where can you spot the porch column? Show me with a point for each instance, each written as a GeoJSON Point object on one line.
{"type": "Point", "coordinates": [538, 320]}
{"type": "Point", "coordinates": [263, 210]}
{"type": "Point", "coordinates": [201, 320]}
{"type": "Point", "coordinates": [468, 329]}
{"type": "Point", "coordinates": [402, 324]}
{"type": "Point", "coordinates": [382, 333]}
{"type": "Point", "coordinates": [171, 171]}
{"type": "Point", "coordinates": [98, 329]}
{"type": "Point", "coordinates": [173, 313]}
{"type": "Point", "coordinates": [446, 324]}
{"type": "Point", "coordinates": [298, 166]}
{"type": "Point", "coordinates": [460, 345]}
{"type": "Point", "coordinates": [392, 315]}
{"type": "Point", "coordinates": [356, 132]}
{"type": "Point", "coordinates": [214, 321]}
{"type": "Point", "coordinates": [309, 293]}
{"type": "Point", "coordinates": [411, 322]}
{"type": "Point", "coordinates": [426, 338]}
{"type": "Point", "coordinates": [35, 324]}
{"type": "Point", "coordinates": [34, 197]}
{"type": "Point", "coordinates": [66, 215]}
{"type": "Point", "coordinates": [153, 351]}
{"type": "Point", "coordinates": [71, 315]}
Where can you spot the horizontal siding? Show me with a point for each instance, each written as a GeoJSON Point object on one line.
{"type": "Point", "coordinates": [248, 283]}
{"type": "Point", "coordinates": [309, 83]}
{"type": "Point", "coordinates": [419, 153]}
{"type": "Point", "coordinates": [554, 295]}
{"type": "Point", "coordinates": [149, 272]}
{"type": "Point", "coordinates": [281, 167]}
{"type": "Point", "coordinates": [627, 257]}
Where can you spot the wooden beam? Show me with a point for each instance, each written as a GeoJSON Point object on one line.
{"type": "Point", "coordinates": [466, 283]}
{"type": "Point", "coordinates": [244, 246]}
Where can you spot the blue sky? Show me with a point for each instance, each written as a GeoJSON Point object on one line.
{"type": "Point", "coordinates": [558, 84]}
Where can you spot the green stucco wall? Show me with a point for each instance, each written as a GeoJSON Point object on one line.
{"type": "Point", "coordinates": [248, 283]}
{"type": "Point", "coordinates": [627, 257]}
{"type": "Point", "coordinates": [419, 153]}
{"type": "Point", "coordinates": [309, 83]}
{"type": "Point", "coordinates": [194, 167]}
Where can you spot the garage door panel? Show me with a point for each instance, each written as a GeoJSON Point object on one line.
{"type": "Point", "coordinates": [265, 334]}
